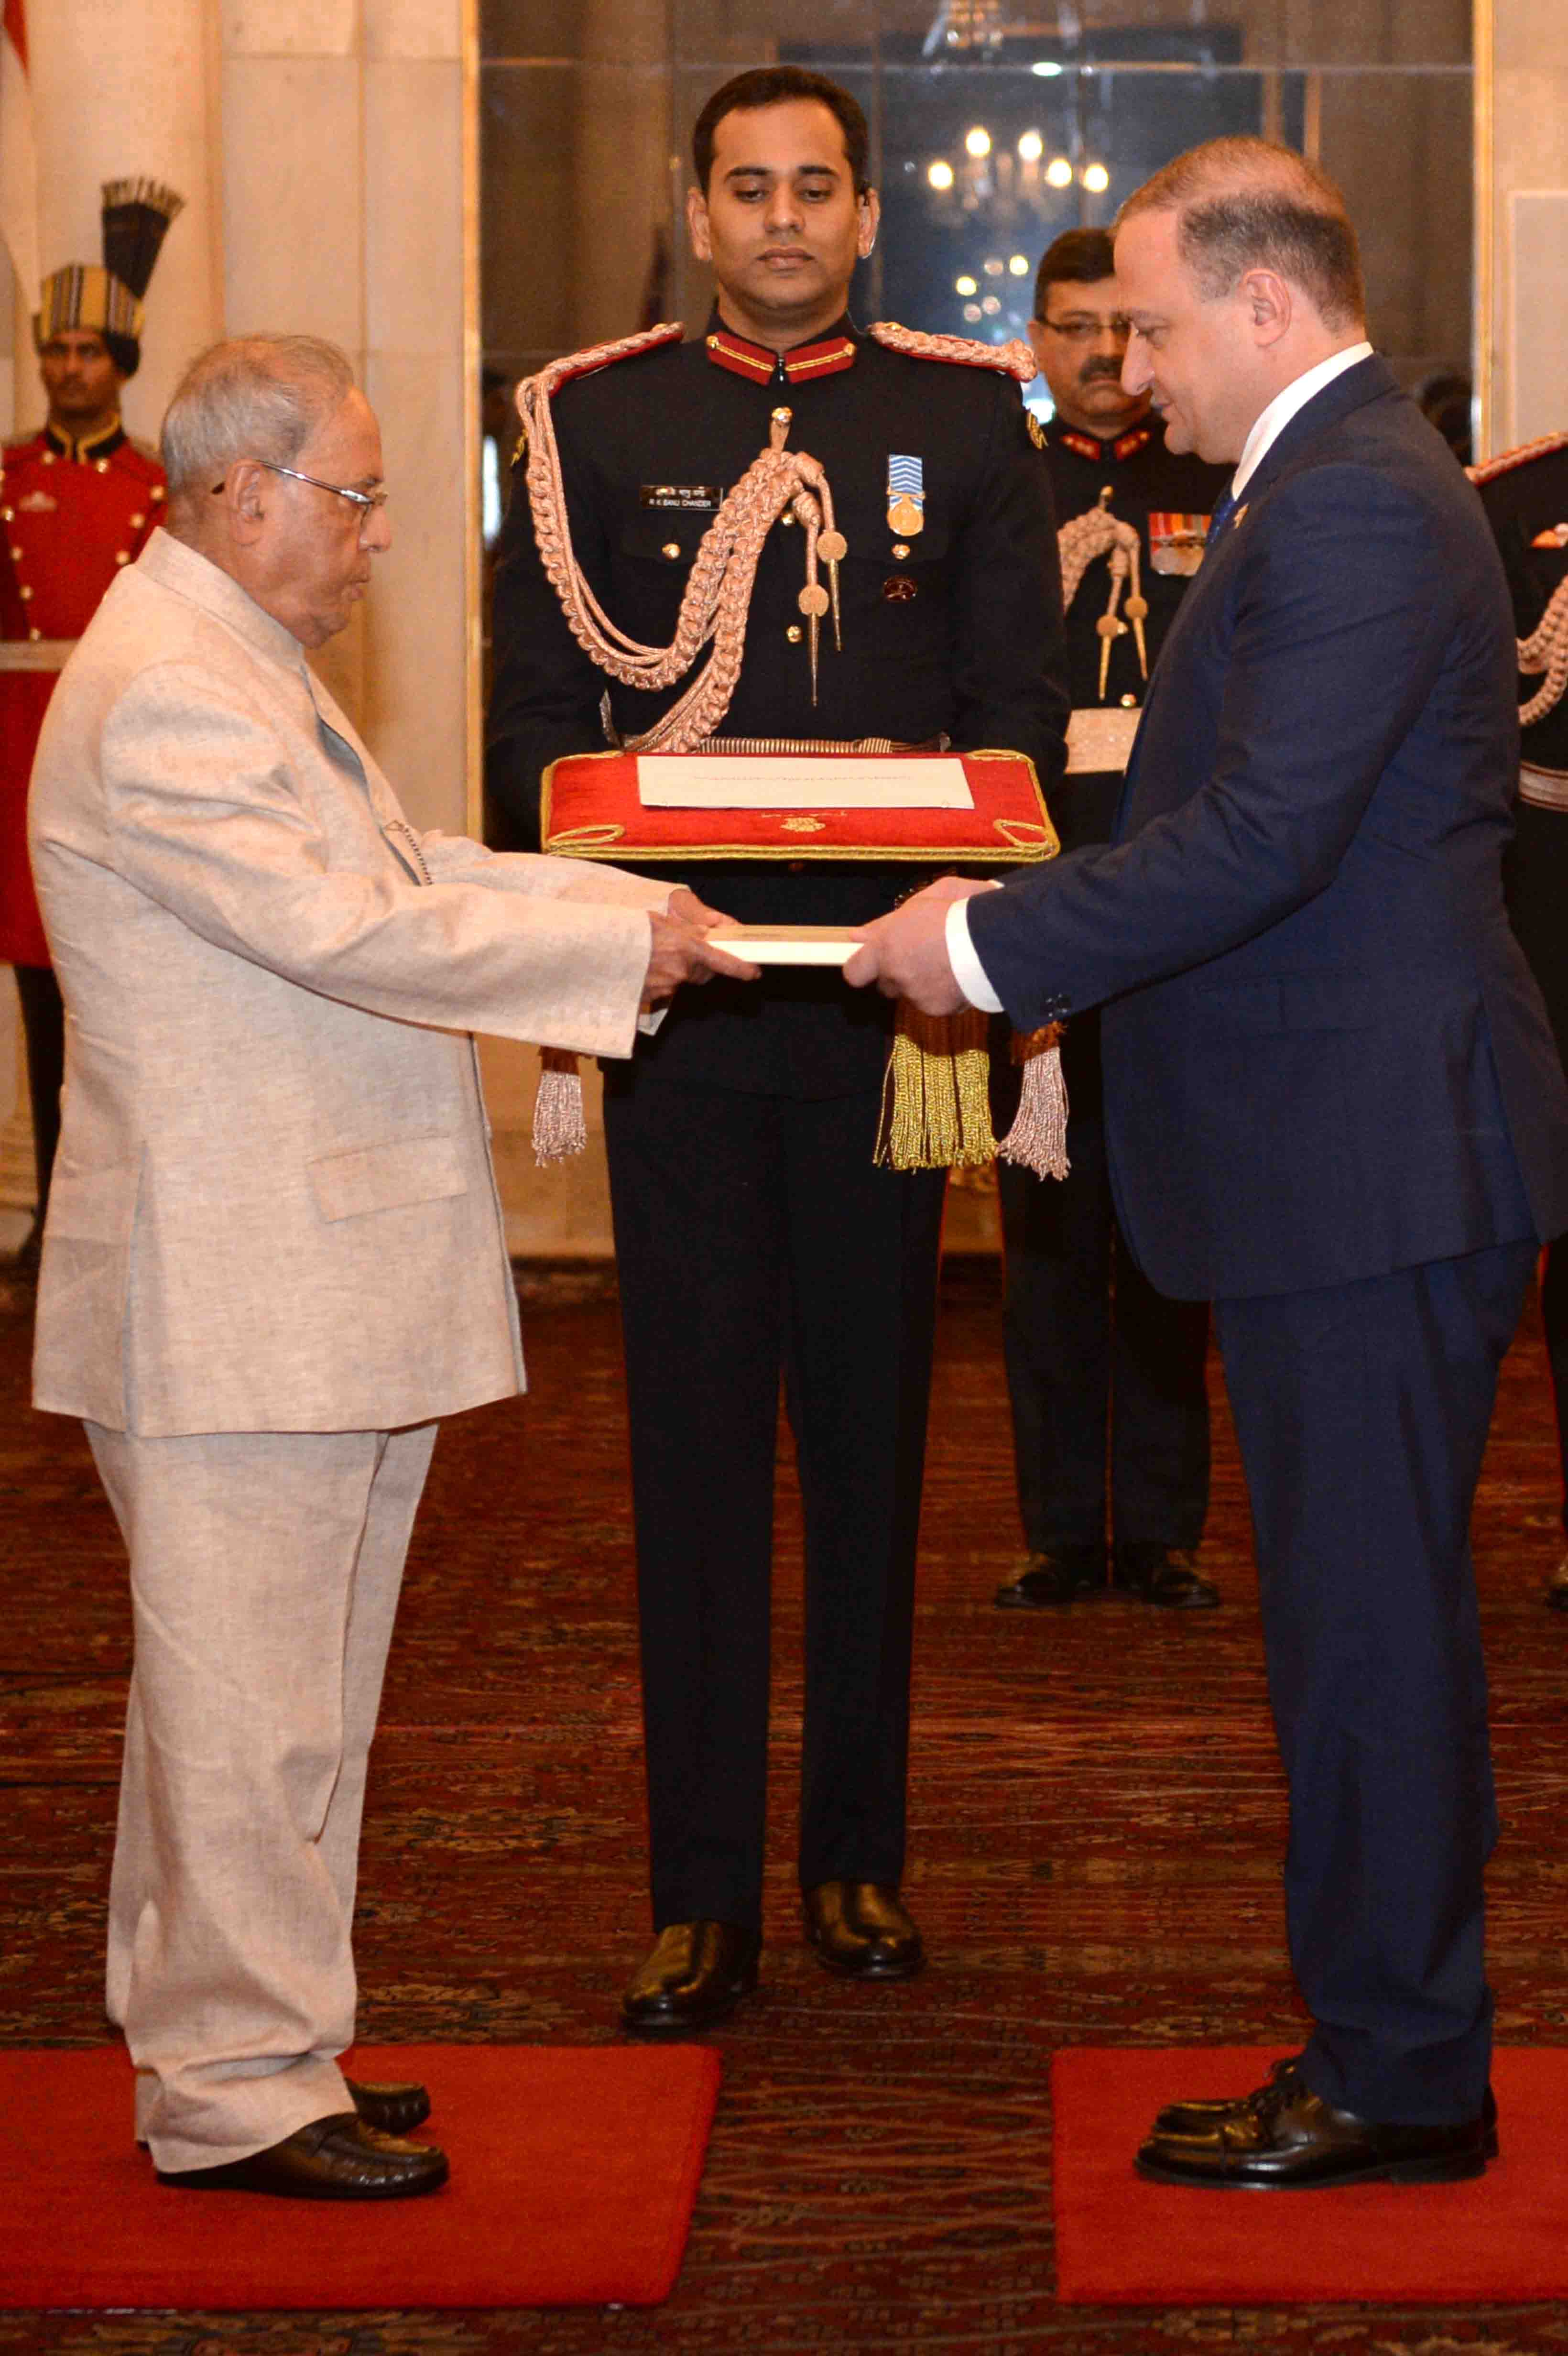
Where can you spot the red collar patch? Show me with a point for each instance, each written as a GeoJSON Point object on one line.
{"type": "Point", "coordinates": [761, 366]}
{"type": "Point", "coordinates": [1088, 446]}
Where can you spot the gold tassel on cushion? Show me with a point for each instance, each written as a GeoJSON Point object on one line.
{"type": "Point", "coordinates": [1038, 1138]}
{"type": "Point", "coordinates": [936, 1112]}
{"type": "Point", "coordinates": [559, 1129]}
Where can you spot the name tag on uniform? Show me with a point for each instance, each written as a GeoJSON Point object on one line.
{"type": "Point", "coordinates": [1175, 542]}
{"type": "Point", "coordinates": [691, 499]}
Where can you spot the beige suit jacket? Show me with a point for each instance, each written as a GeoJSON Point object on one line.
{"type": "Point", "coordinates": [274, 1208]}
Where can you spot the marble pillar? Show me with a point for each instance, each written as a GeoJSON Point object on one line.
{"type": "Point", "coordinates": [1522, 245]}
{"type": "Point", "coordinates": [121, 89]}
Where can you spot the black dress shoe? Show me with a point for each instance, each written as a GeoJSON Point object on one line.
{"type": "Point", "coordinates": [395, 2110]}
{"type": "Point", "coordinates": [1046, 1582]}
{"type": "Point", "coordinates": [695, 1975]}
{"type": "Point", "coordinates": [1284, 2137]}
{"type": "Point", "coordinates": [334, 2158]}
{"type": "Point", "coordinates": [1195, 2117]}
{"type": "Point", "coordinates": [860, 1931]}
{"type": "Point", "coordinates": [1164, 1575]}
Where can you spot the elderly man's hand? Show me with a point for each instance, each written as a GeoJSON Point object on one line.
{"type": "Point", "coordinates": [683, 952]}
{"type": "Point", "coordinates": [905, 954]}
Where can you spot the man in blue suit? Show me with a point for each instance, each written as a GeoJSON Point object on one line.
{"type": "Point", "coordinates": [1333, 1106]}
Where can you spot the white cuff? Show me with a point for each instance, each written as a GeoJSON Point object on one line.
{"type": "Point", "coordinates": [968, 971]}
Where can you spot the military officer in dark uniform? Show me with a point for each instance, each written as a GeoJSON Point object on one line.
{"type": "Point", "coordinates": [78, 500]}
{"type": "Point", "coordinates": [1525, 494]}
{"type": "Point", "coordinates": [1088, 1340]}
{"type": "Point", "coordinates": [752, 1230]}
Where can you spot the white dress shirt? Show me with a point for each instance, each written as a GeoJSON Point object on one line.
{"type": "Point", "coordinates": [1268, 427]}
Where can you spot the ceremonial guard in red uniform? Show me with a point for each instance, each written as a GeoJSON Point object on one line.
{"type": "Point", "coordinates": [1525, 494]}
{"type": "Point", "coordinates": [78, 500]}
{"type": "Point", "coordinates": [754, 1233]}
{"type": "Point", "coordinates": [1093, 1350]}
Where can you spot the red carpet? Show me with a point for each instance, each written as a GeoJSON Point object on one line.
{"type": "Point", "coordinates": [1122, 2243]}
{"type": "Point", "coordinates": [573, 2174]}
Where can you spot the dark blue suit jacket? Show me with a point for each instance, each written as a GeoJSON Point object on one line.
{"type": "Point", "coordinates": [1324, 1054]}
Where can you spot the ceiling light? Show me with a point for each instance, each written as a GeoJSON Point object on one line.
{"type": "Point", "coordinates": [1031, 146]}
{"type": "Point", "coordinates": [1058, 172]}
{"type": "Point", "coordinates": [940, 174]}
{"type": "Point", "coordinates": [979, 140]}
{"type": "Point", "coordinates": [1018, 264]}
{"type": "Point", "coordinates": [1095, 176]}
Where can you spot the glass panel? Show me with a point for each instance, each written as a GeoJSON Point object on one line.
{"type": "Point", "coordinates": [994, 125]}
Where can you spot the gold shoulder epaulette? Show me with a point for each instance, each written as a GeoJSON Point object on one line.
{"type": "Point", "coordinates": [599, 356]}
{"type": "Point", "coordinates": [1013, 359]}
{"type": "Point", "coordinates": [1507, 460]}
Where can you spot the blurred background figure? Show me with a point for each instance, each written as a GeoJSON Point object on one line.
{"type": "Point", "coordinates": [78, 500]}
{"type": "Point", "coordinates": [1525, 494]}
{"type": "Point", "coordinates": [1090, 1344]}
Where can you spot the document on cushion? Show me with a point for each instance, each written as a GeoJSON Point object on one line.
{"type": "Point", "coordinates": [788, 944]}
{"type": "Point", "coordinates": [800, 781]}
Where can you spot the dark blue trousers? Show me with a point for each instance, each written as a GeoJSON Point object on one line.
{"type": "Point", "coordinates": [1363, 1412]}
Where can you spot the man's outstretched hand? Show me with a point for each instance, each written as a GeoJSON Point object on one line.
{"type": "Point", "coordinates": [683, 952]}
{"type": "Point", "coordinates": [905, 954]}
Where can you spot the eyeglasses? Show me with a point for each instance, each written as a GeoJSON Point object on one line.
{"type": "Point", "coordinates": [1082, 329]}
{"type": "Point", "coordinates": [368, 503]}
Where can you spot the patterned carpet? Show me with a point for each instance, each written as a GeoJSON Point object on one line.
{"type": "Point", "coordinates": [1097, 1818]}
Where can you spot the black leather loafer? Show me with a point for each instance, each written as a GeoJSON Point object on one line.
{"type": "Point", "coordinates": [334, 2158]}
{"type": "Point", "coordinates": [1197, 2118]}
{"type": "Point", "coordinates": [695, 1975]}
{"type": "Point", "coordinates": [1047, 1582]}
{"type": "Point", "coordinates": [1164, 1575]}
{"type": "Point", "coordinates": [395, 2110]}
{"type": "Point", "coordinates": [1285, 2138]}
{"type": "Point", "coordinates": [860, 1931]}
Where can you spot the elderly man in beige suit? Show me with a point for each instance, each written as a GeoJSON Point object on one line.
{"type": "Point", "coordinates": [274, 1255]}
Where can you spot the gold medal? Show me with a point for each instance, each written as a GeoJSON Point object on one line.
{"type": "Point", "coordinates": [905, 517]}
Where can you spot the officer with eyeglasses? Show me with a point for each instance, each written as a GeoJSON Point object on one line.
{"type": "Point", "coordinates": [1088, 1343]}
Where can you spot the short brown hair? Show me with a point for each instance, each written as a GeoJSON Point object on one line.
{"type": "Point", "coordinates": [776, 86]}
{"type": "Point", "coordinates": [1250, 204]}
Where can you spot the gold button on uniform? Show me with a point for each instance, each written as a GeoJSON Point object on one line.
{"type": "Point", "coordinates": [793, 634]}
{"type": "Point", "coordinates": [671, 548]}
{"type": "Point", "coordinates": [137, 522]}
{"type": "Point", "coordinates": [24, 591]}
{"type": "Point", "coordinates": [100, 466]}
{"type": "Point", "coordinates": [121, 556]}
{"type": "Point", "coordinates": [900, 549]}
{"type": "Point", "coordinates": [1130, 704]}
{"type": "Point", "coordinates": [16, 556]}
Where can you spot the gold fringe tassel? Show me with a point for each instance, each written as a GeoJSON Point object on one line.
{"type": "Point", "coordinates": [559, 1129]}
{"type": "Point", "coordinates": [936, 1112]}
{"type": "Point", "coordinates": [1038, 1138]}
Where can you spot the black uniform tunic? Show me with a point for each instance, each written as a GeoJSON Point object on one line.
{"type": "Point", "coordinates": [752, 1232]}
{"type": "Point", "coordinates": [1522, 505]}
{"type": "Point", "coordinates": [1068, 1373]}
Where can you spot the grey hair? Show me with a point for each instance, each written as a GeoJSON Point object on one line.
{"type": "Point", "coordinates": [1248, 204]}
{"type": "Point", "coordinates": [252, 397]}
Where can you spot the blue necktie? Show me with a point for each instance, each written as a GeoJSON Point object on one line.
{"type": "Point", "coordinates": [1224, 509]}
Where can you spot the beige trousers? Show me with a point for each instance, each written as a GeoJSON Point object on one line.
{"type": "Point", "coordinates": [265, 1577]}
